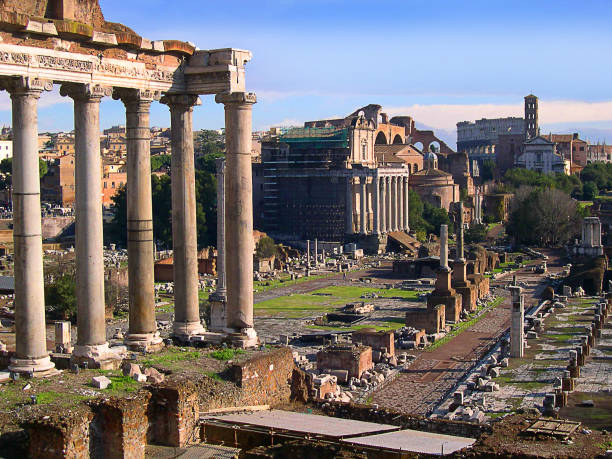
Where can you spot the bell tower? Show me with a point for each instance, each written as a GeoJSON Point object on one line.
{"type": "Point", "coordinates": [531, 117]}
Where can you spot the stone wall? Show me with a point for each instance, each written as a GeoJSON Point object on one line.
{"type": "Point", "coordinates": [376, 339]}
{"type": "Point", "coordinates": [266, 376]}
{"type": "Point", "coordinates": [355, 359]}
{"type": "Point", "coordinates": [119, 427]}
{"type": "Point", "coordinates": [432, 320]}
{"type": "Point", "coordinates": [60, 435]}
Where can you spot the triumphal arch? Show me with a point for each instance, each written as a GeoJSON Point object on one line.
{"type": "Point", "coordinates": [69, 43]}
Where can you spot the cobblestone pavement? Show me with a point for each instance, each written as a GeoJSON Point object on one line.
{"type": "Point", "coordinates": [434, 373]}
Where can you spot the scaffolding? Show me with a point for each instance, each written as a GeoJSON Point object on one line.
{"type": "Point", "coordinates": [319, 138]}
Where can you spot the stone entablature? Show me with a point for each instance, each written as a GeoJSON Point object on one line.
{"type": "Point", "coordinates": [206, 72]}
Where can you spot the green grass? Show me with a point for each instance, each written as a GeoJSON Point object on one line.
{"type": "Point", "coordinates": [462, 326]}
{"type": "Point", "coordinates": [226, 354]}
{"type": "Point", "coordinates": [123, 384]}
{"type": "Point", "coordinates": [170, 355]}
{"type": "Point", "coordinates": [387, 325]}
{"type": "Point", "coordinates": [355, 292]}
{"type": "Point", "coordinates": [213, 375]}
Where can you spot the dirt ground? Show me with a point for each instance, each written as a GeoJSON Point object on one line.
{"type": "Point", "coordinates": [508, 440]}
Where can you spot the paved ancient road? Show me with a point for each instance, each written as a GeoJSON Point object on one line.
{"type": "Point", "coordinates": [433, 374]}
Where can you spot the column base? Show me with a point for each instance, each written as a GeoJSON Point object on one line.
{"type": "Point", "coordinates": [38, 368]}
{"type": "Point", "coordinates": [144, 342]}
{"type": "Point", "coordinates": [97, 356]}
{"type": "Point", "coordinates": [183, 331]}
{"type": "Point", "coordinates": [243, 338]}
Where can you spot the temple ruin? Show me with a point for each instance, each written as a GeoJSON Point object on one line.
{"type": "Point", "coordinates": [69, 43]}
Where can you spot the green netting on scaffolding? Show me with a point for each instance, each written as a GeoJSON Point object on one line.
{"type": "Point", "coordinates": [324, 137]}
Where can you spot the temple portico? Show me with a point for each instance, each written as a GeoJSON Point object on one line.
{"type": "Point", "coordinates": [174, 73]}
{"type": "Point", "coordinates": [377, 201]}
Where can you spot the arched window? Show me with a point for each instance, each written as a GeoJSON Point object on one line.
{"type": "Point", "coordinates": [398, 139]}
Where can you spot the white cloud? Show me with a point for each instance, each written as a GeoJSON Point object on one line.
{"type": "Point", "coordinates": [446, 116]}
{"type": "Point", "coordinates": [47, 99]}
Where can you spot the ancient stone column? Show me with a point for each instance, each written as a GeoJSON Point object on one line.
{"type": "Point", "coordinates": [316, 252]}
{"type": "Point", "coordinates": [349, 206]}
{"type": "Point", "coordinates": [444, 246]}
{"type": "Point", "coordinates": [389, 205]}
{"type": "Point", "coordinates": [517, 333]}
{"type": "Point", "coordinates": [308, 253]}
{"type": "Point", "coordinates": [383, 204]}
{"type": "Point", "coordinates": [142, 334]}
{"type": "Point", "coordinates": [92, 345]}
{"type": "Point", "coordinates": [184, 231]}
{"type": "Point", "coordinates": [406, 204]}
{"type": "Point", "coordinates": [460, 250]}
{"type": "Point", "coordinates": [221, 288]}
{"type": "Point", "coordinates": [375, 198]}
{"type": "Point", "coordinates": [400, 203]}
{"type": "Point", "coordinates": [31, 353]}
{"type": "Point", "coordinates": [364, 210]}
{"type": "Point", "coordinates": [239, 216]}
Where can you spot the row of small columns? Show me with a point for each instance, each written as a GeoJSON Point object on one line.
{"type": "Point", "coordinates": [31, 352]}
{"type": "Point", "coordinates": [389, 205]}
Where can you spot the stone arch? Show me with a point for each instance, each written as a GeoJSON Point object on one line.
{"type": "Point", "coordinates": [434, 146]}
{"type": "Point", "coordinates": [398, 139]}
{"type": "Point", "coordinates": [419, 146]}
{"type": "Point", "coordinates": [381, 139]}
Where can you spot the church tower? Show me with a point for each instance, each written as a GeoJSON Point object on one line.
{"type": "Point", "coordinates": [531, 117]}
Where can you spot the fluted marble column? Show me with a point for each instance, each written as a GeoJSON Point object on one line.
{"type": "Point", "coordinates": [184, 231]}
{"type": "Point", "coordinates": [363, 197]}
{"type": "Point", "coordinates": [239, 216]}
{"type": "Point", "coordinates": [31, 353]}
{"type": "Point", "coordinates": [91, 337]}
{"type": "Point", "coordinates": [394, 205]}
{"type": "Point", "coordinates": [142, 334]}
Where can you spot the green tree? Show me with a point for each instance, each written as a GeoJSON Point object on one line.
{"type": "Point", "coordinates": [60, 298]}
{"type": "Point", "coordinates": [546, 217]}
{"type": "Point", "coordinates": [487, 171]}
{"type": "Point", "coordinates": [265, 248]}
{"type": "Point", "coordinates": [160, 161]}
{"type": "Point", "coordinates": [475, 234]}
{"type": "Point", "coordinates": [208, 142]}
{"type": "Point", "coordinates": [589, 191]}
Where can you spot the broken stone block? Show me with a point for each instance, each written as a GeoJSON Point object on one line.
{"type": "Point", "coordinates": [494, 372]}
{"type": "Point", "coordinates": [2, 347]}
{"type": "Point", "coordinates": [139, 377]}
{"type": "Point", "coordinates": [393, 361]}
{"type": "Point", "coordinates": [130, 369]}
{"type": "Point", "coordinates": [100, 382]}
{"type": "Point", "coordinates": [504, 362]}
{"type": "Point", "coordinates": [341, 375]}
{"type": "Point", "coordinates": [154, 376]}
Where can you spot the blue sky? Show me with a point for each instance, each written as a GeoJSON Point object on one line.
{"type": "Point", "coordinates": [440, 61]}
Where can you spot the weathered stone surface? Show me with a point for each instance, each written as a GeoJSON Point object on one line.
{"type": "Point", "coordinates": [153, 376]}
{"type": "Point", "coordinates": [100, 382]}
{"type": "Point", "coordinates": [60, 435]}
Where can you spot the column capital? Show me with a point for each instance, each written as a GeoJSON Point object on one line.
{"type": "Point", "coordinates": [26, 85]}
{"type": "Point", "coordinates": [85, 92]}
{"type": "Point", "coordinates": [236, 98]}
{"type": "Point", "coordinates": [139, 96]}
{"type": "Point", "coordinates": [186, 101]}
